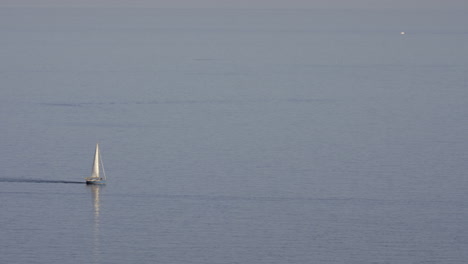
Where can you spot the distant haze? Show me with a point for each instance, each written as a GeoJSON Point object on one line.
{"type": "Point", "coordinates": [377, 4]}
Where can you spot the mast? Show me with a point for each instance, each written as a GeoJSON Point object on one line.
{"type": "Point", "coordinates": [95, 171]}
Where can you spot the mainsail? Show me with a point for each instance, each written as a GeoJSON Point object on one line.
{"type": "Point", "coordinates": [95, 171]}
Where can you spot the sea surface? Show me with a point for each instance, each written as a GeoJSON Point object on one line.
{"type": "Point", "coordinates": [234, 136]}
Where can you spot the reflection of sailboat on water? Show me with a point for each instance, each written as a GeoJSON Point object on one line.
{"type": "Point", "coordinates": [95, 190]}
{"type": "Point", "coordinates": [95, 174]}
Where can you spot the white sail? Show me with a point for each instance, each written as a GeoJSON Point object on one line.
{"type": "Point", "coordinates": [95, 171]}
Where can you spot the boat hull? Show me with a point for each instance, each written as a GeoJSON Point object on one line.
{"type": "Point", "coordinates": [95, 181]}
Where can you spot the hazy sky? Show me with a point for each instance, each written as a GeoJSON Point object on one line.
{"type": "Point", "coordinates": [396, 4]}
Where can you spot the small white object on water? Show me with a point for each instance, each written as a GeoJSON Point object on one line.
{"type": "Point", "coordinates": [402, 33]}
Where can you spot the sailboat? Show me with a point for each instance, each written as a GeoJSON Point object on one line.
{"type": "Point", "coordinates": [95, 173]}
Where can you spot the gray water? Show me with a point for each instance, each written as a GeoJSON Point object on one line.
{"type": "Point", "coordinates": [234, 136]}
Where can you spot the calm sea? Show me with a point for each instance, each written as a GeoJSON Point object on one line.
{"type": "Point", "coordinates": [234, 136]}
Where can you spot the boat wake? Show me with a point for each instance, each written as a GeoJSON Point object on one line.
{"type": "Point", "coordinates": [36, 181]}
